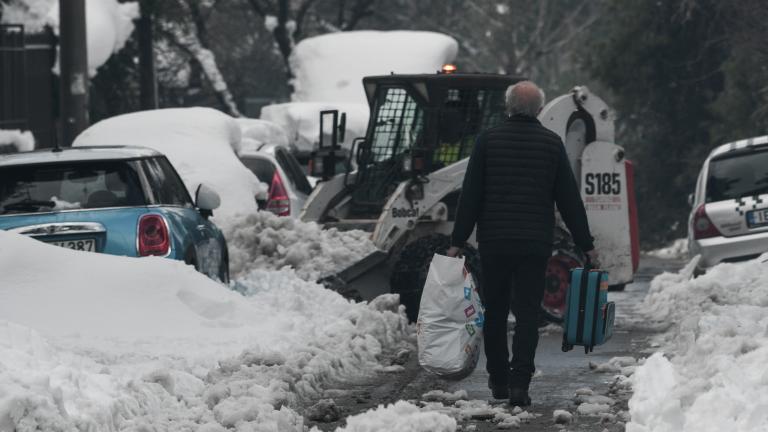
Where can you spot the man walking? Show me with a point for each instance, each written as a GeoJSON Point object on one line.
{"type": "Point", "coordinates": [517, 172]}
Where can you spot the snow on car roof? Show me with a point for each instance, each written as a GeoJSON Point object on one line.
{"type": "Point", "coordinates": [738, 145]}
{"type": "Point", "coordinates": [77, 154]}
{"type": "Point", "coordinates": [199, 142]}
{"type": "Point", "coordinates": [330, 67]}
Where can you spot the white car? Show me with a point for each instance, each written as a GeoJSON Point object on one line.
{"type": "Point", "coordinates": [729, 216]}
{"type": "Point", "coordinates": [274, 165]}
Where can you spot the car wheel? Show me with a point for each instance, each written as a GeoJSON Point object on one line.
{"type": "Point", "coordinates": [410, 270]}
{"type": "Point", "coordinates": [190, 258]}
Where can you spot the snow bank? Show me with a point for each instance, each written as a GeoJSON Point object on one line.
{"type": "Point", "coordinates": [109, 24]}
{"type": "Point", "coordinates": [711, 376]}
{"type": "Point", "coordinates": [101, 342]}
{"type": "Point", "coordinates": [266, 241]}
{"type": "Point", "coordinates": [301, 120]}
{"type": "Point", "coordinates": [400, 416]}
{"type": "Point", "coordinates": [331, 67]}
{"type": "Point", "coordinates": [257, 132]}
{"type": "Point", "coordinates": [200, 143]}
{"type": "Point", "coordinates": [21, 140]}
{"type": "Point", "coordinates": [676, 250]}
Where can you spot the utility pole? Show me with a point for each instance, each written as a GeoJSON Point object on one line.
{"type": "Point", "coordinates": [147, 79]}
{"type": "Point", "coordinates": [73, 66]}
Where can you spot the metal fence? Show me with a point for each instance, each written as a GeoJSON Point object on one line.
{"type": "Point", "coordinates": [13, 83]}
{"type": "Point", "coordinates": [28, 98]}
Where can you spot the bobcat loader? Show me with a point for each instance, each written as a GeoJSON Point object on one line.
{"type": "Point", "coordinates": [403, 181]}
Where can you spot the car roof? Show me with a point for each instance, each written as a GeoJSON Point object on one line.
{"type": "Point", "coordinates": [77, 154]}
{"type": "Point", "coordinates": [739, 145]}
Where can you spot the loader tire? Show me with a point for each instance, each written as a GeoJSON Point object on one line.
{"type": "Point", "coordinates": [410, 271]}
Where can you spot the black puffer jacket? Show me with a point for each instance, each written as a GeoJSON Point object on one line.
{"type": "Point", "coordinates": [517, 172]}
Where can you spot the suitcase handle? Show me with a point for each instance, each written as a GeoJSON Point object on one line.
{"type": "Point", "coordinates": [588, 266]}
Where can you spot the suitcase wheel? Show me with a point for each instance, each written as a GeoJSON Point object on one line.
{"type": "Point", "coordinates": [566, 346]}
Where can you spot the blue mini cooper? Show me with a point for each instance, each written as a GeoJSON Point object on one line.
{"type": "Point", "coordinates": [118, 200]}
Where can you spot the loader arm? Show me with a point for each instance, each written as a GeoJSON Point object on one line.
{"type": "Point", "coordinates": [402, 214]}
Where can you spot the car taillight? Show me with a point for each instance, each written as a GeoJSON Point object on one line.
{"type": "Point", "coordinates": [703, 226]}
{"type": "Point", "coordinates": [153, 236]}
{"type": "Point", "coordinates": [278, 201]}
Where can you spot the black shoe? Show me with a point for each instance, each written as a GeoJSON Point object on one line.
{"type": "Point", "coordinates": [519, 397]}
{"type": "Point", "coordinates": [498, 390]}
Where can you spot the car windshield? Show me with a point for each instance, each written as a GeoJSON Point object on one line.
{"type": "Point", "coordinates": [67, 186]}
{"type": "Point", "coordinates": [740, 175]}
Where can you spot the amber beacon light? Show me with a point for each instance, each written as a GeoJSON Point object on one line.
{"type": "Point", "coordinates": [449, 68]}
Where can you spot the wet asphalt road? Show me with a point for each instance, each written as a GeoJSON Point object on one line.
{"type": "Point", "coordinates": [559, 374]}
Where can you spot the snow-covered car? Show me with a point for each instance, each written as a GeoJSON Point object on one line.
{"type": "Point", "coordinates": [116, 200]}
{"type": "Point", "coordinates": [729, 216]}
{"type": "Point", "coordinates": [274, 165]}
{"type": "Point", "coordinates": [201, 144]}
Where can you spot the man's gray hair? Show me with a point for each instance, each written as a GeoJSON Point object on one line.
{"type": "Point", "coordinates": [524, 98]}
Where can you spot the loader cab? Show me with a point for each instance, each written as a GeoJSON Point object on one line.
{"type": "Point", "coordinates": [420, 124]}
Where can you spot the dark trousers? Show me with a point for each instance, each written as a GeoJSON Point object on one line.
{"type": "Point", "coordinates": [516, 282]}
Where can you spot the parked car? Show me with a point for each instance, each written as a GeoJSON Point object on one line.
{"type": "Point", "coordinates": [729, 217]}
{"type": "Point", "coordinates": [117, 200]}
{"type": "Point", "coordinates": [274, 165]}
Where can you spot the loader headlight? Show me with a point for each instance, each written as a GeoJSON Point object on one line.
{"type": "Point", "coordinates": [619, 155]}
{"type": "Point", "coordinates": [414, 192]}
{"type": "Point", "coordinates": [407, 164]}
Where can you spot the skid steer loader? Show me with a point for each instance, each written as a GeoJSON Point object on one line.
{"type": "Point", "coordinates": [403, 181]}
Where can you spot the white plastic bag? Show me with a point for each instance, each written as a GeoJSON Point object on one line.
{"type": "Point", "coordinates": [450, 323]}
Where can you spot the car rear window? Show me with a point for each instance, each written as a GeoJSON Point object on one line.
{"type": "Point", "coordinates": [262, 168]}
{"type": "Point", "coordinates": [738, 175]}
{"type": "Point", "coordinates": [293, 170]}
{"type": "Point", "coordinates": [166, 186]}
{"type": "Point", "coordinates": [68, 186]}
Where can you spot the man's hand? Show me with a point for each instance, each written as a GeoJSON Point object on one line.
{"type": "Point", "coordinates": [453, 252]}
{"type": "Point", "coordinates": [594, 258]}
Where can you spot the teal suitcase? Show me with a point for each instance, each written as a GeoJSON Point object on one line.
{"type": "Point", "coordinates": [589, 316]}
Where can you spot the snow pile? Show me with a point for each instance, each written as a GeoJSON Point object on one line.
{"type": "Point", "coordinates": [109, 24]}
{"type": "Point", "coordinates": [400, 416]}
{"type": "Point", "coordinates": [21, 140]}
{"type": "Point", "coordinates": [266, 241]}
{"type": "Point", "coordinates": [677, 250]}
{"type": "Point", "coordinates": [562, 416]}
{"type": "Point", "coordinates": [459, 408]}
{"type": "Point", "coordinates": [301, 120]}
{"type": "Point", "coordinates": [624, 365]}
{"type": "Point", "coordinates": [329, 72]}
{"type": "Point", "coordinates": [331, 67]}
{"type": "Point", "coordinates": [116, 343]}
{"type": "Point", "coordinates": [711, 376]}
{"type": "Point", "coordinates": [200, 143]}
{"type": "Point", "coordinates": [593, 409]}
{"type": "Point", "coordinates": [257, 132]}
{"type": "Point", "coordinates": [443, 396]}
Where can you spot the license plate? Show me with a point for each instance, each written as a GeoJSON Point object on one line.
{"type": "Point", "coordinates": [757, 218]}
{"type": "Point", "coordinates": [88, 245]}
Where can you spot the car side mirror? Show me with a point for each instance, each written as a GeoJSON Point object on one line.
{"type": "Point", "coordinates": [690, 200]}
{"type": "Point", "coordinates": [206, 200]}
